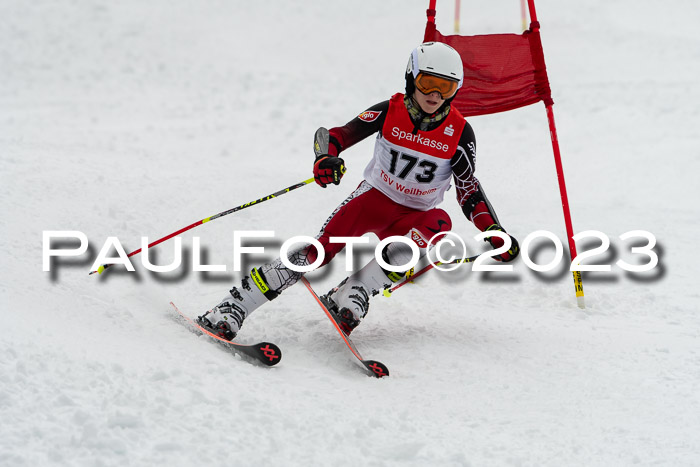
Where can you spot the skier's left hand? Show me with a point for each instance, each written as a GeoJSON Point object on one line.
{"type": "Point", "coordinates": [497, 242]}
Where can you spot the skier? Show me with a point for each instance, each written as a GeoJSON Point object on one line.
{"type": "Point", "coordinates": [423, 142]}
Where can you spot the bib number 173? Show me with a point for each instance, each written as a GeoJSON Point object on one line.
{"type": "Point", "coordinates": [407, 163]}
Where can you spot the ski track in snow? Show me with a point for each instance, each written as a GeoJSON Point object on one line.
{"type": "Point", "coordinates": [134, 119]}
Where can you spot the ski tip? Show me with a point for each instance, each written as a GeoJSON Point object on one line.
{"type": "Point", "coordinates": [378, 369]}
{"type": "Point", "coordinates": [268, 353]}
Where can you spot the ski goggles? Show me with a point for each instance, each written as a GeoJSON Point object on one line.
{"type": "Point", "coordinates": [426, 84]}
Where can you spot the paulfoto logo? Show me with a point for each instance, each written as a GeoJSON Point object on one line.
{"type": "Point", "coordinates": [435, 249]}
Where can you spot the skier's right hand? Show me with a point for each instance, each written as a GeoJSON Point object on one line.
{"type": "Point", "coordinates": [328, 169]}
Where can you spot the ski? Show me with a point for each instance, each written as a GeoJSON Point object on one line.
{"type": "Point", "coordinates": [263, 352]}
{"type": "Point", "coordinates": [374, 367]}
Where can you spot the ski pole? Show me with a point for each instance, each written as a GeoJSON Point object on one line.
{"type": "Point", "coordinates": [211, 218]}
{"type": "Point", "coordinates": [388, 292]}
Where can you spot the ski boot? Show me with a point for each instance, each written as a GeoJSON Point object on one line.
{"type": "Point", "coordinates": [347, 318]}
{"type": "Point", "coordinates": [226, 318]}
{"type": "Point", "coordinates": [349, 301]}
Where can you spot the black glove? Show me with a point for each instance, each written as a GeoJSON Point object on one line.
{"type": "Point", "coordinates": [328, 169]}
{"type": "Point", "coordinates": [497, 242]}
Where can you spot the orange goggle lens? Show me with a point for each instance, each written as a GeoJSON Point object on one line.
{"type": "Point", "coordinates": [430, 83]}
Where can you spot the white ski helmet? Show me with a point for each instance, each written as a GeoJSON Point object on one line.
{"type": "Point", "coordinates": [434, 58]}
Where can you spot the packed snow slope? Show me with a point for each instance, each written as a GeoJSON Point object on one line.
{"type": "Point", "coordinates": [133, 119]}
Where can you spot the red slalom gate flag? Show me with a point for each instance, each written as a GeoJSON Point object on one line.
{"type": "Point", "coordinates": [504, 72]}
{"type": "Point", "coordinates": [501, 71]}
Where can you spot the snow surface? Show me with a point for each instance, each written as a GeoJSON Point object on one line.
{"type": "Point", "coordinates": [134, 119]}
